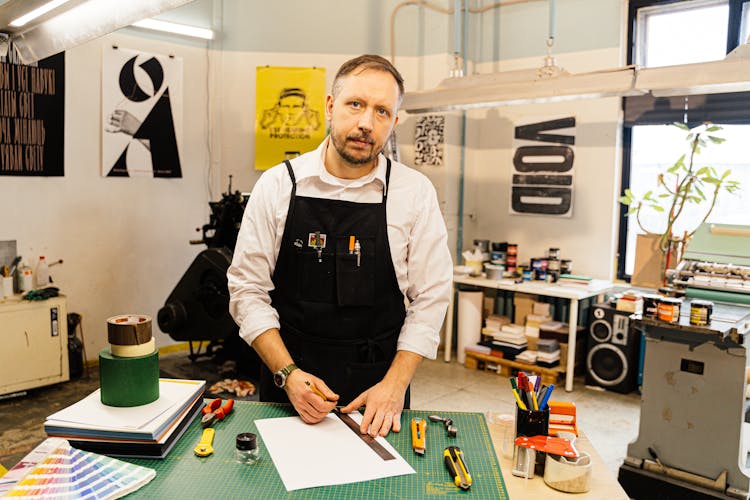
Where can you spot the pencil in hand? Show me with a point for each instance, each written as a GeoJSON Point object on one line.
{"type": "Point", "coordinates": [315, 390]}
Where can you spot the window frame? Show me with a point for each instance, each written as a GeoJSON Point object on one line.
{"type": "Point", "coordinates": [733, 40]}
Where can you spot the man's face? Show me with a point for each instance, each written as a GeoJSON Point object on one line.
{"type": "Point", "coordinates": [362, 115]}
{"type": "Point", "coordinates": [290, 109]}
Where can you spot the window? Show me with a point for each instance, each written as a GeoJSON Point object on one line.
{"type": "Point", "coordinates": [668, 32]}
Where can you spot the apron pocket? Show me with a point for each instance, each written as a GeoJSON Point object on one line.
{"type": "Point", "coordinates": [316, 278]}
{"type": "Point", "coordinates": [355, 277]}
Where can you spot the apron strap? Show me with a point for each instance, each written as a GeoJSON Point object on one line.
{"type": "Point", "coordinates": [387, 177]}
{"type": "Point", "coordinates": [294, 188]}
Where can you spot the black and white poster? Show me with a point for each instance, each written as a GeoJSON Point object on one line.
{"type": "Point", "coordinates": [543, 167]}
{"type": "Point", "coordinates": [32, 116]}
{"type": "Point", "coordinates": [141, 114]}
{"type": "Point", "coordinates": [429, 137]}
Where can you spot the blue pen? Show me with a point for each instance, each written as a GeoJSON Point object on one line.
{"type": "Point", "coordinates": [543, 403]}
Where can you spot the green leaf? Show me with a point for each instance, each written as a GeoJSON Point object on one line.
{"type": "Point", "coordinates": [625, 200]}
{"type": "Point", "coordinates": [714, 128]}
{"type": "Point", "coordinates": [631, 211]}
{"type": "Point", "coordinates": [726, 174]}
{"type": "Point", "coordinates": [716, 140]}
{"type": "Point", "coordinates": [658, 208]}
{"type": "Point", "coordinates": [698, 190]}
{"type": "Point", "coordinates": [647, 196]}
{"type": "Point", "coordinates": [681, 125]}
{"type": "Point", "coordinates": [701, 171]}
{"type": "Point", "coordinates": [710, 180]}
{"type": "Point", "coordinates": [674, 168]}
{"type": "Point", "coordinates": [629, 194]}
{"type": "Point", "coordinates": [664, 195]}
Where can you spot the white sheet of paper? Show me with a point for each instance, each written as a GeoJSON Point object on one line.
{"type": "Point", "coordinates": [326, 453]}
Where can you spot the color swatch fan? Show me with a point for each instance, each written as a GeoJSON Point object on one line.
{"type": "Point", "coordinates": [70, 473]}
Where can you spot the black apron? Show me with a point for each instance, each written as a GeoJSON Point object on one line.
{"type": "Point", "coordinates": [340, 318]}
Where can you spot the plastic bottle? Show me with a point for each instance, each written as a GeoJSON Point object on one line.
{"type": "Point", "coordinates": [42, 273]}
{"type": "Point", "coordinates": [26, 281]}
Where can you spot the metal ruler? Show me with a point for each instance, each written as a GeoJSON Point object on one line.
{"type": "Point", "coordinates": [369, 440]}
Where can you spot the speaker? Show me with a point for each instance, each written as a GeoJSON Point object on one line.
{"type": "Point", "coordinates": [614, 348]}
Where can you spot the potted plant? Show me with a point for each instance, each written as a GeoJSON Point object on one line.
{"type": "Point", "coordinates": [685, 182]}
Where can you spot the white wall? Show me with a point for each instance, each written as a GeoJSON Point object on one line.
{"type": "Point", "coordinates": [124, 241]}
{"type": "Point", "coordinates": [589, 236]}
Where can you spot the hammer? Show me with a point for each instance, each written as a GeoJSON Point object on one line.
{"type": "Point", "coordinates": [447, 422]}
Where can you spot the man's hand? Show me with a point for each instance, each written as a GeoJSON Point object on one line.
{"type": "Point", "coordinates": [383, 403]}
{"type": "Point", "coordinates": [122, 121]}
{"type": "Point", "coordinates": [311, 407]}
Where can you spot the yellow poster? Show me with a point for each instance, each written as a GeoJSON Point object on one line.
{"type": "Point", "coordinates": [290, 113]}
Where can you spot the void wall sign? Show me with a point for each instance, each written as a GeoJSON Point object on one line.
{"type": "Point", "coordinates": [141, 114]}
{"type": "Point", "coordinates": [543, 167]}
{"type": "Point", "coordinates": [290, 113]}
{"type": "Point", "coordinates": [32, 116]}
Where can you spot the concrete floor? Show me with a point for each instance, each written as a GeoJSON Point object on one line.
{"type": "Point", "coordinates": [610, 420]}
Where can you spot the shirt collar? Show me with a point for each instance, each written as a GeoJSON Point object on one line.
{"type": "Point", "coordinates": [316, 168]}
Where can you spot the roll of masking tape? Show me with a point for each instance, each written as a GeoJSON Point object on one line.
{"type": "Point", "coordinates": [129, 329]}
{"type": "Point", "coordinates": [133, 351]}
{"type": "Point", "coordinates": [128, 381]}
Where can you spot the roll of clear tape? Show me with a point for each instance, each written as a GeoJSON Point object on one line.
{"type": "Point", "coordinates": [133, 351]}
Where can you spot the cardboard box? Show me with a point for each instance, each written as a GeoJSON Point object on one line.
{"type": "Point", "coordinates": [523, 305]}
{"type": "Point", "coordinates": [541, 308]}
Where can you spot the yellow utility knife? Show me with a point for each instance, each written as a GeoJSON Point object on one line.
{"type": "Point", "coordinates": [454, 461]}
{"type": "Point", "coordinates": [204, 447]}
{"type": "Point", "coordinates": [418, 435]}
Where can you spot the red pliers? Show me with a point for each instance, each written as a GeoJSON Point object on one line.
{"type": "Point", "coordinates": [214, 411]}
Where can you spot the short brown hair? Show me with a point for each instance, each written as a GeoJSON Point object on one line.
{"type": "Point", "coordinates": [365, 62]}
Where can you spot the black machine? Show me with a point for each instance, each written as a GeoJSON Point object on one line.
{"type": "Point", "coordinates": [198, 308]}
{"type": "Point", "coordinates": [613, 350]}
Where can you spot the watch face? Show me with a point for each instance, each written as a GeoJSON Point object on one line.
{"type": "Point", "coordinates": [278, 379]}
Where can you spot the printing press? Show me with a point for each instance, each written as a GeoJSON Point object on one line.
{"type": "Point", "coordinates": [693, 439]}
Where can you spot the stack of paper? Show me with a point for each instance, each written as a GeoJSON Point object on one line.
{"type": "Point", "coordinates": [149, 430]}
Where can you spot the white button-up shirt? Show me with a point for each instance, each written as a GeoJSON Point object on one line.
{"type": "Point", "coordinates": [416, 235]}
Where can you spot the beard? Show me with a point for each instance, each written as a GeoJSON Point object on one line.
{"type": "Point", "coordinates": [350, 159]}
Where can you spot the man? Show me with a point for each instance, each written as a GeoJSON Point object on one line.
{"type": "Point", "coordinates": [330, 245]}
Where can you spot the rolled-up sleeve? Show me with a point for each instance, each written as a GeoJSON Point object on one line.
{"type": "Point", "coordinates": [249, 276]}
{"type": "Point", "coordinates": [429, 275]}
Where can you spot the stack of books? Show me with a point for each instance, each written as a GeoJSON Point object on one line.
{"type": "Point", "coordinates": [511, 341]}
{"type": "Point", "coordinates": [573, 279]}
{"type": "Point", "coordinates": [148, 431]}
{"type": "Point", "coordinates": [549, 353]}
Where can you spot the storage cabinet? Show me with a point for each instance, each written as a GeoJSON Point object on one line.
{"type": "Point", "coordinates": [34, 337]}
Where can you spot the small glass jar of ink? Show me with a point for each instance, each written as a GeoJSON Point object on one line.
{"type": "Point", "coordinates": [247, 448]}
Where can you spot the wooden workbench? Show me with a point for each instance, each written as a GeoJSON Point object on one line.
{"type": "Point", "coordinates": [604, 485]}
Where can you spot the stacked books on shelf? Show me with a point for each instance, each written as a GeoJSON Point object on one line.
{"type": "Point", "coordinates": [511, 340]}
{"type": "Point", "coordinates": [148, 431]}
{"type": "Point", "coordinates": [548, 353]}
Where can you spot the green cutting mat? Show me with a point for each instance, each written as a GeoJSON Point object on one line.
{"type": "Point", "coordinates": [183, 475]}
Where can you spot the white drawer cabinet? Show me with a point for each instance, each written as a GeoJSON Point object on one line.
{"type": "Point", "coordinates": [34, 343]}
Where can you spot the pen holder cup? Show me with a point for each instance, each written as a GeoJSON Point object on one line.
{"type": "Point", "coordinates": [533, 423]}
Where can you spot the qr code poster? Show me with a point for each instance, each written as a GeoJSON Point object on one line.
{"type": "Point", "coordinates": [429, 137]}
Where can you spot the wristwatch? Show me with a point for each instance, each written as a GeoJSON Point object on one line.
{"type": "Point", "coordinates": [279, 378]}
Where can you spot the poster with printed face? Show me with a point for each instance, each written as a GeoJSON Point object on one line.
{"type": "Point", "coordinates": [543, 168]}
{"type": "Point", "coordinates": [290, 113]}
{"type": "Point", "coordinates": [141, 114]}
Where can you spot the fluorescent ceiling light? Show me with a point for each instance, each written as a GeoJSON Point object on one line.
{"type": "Point", "coordinates": [547, 84]}
{"type": "Point", "coordinates": [732, 74]}
{"type": "Point", "coordinates": [39, 11]}
{"type": "Point", "coordinates": [552, 84]}
{"type": "Point", "coordinates": [180, 29]}
{"type": "Point", "coordinates": [79, 22]}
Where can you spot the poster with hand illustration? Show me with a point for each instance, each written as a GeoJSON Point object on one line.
{"type": "Point", "coordinates": [141, 114]}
